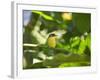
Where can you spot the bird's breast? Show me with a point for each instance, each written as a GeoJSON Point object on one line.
{"type": "Point", "coordinates": [52, 42]}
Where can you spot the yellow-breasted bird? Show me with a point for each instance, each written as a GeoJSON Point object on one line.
{"type": "Point", "coordinates": [52, 40]}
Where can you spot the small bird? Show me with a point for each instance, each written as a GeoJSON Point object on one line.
{"type": "Point", "coordinates": [52, 40]}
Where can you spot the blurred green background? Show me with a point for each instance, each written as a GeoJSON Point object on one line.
{"type": "Point", "coordinates": [73, 47]}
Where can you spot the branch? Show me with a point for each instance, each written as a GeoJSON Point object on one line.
{"type": "Point", "coordinates": [37, 46]}
{"type": "Point", "coordinates": [29, 45]}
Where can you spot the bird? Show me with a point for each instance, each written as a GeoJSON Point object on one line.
{"type": "Point", "coordinates": [51, 41]}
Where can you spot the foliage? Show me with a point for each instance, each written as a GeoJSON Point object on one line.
{"type": "Point", "coordinates": [73, 41]}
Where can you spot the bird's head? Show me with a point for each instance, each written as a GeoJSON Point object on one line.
{"type": "Point", "coordinates": [52, 35]}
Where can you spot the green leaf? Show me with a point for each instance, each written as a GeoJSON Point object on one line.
{"type": "Point", "coordinates": [75, 41]}
{"type": "Point", "coordinates": [82, 46]}
{"type": "Point", "coordinates": [43, 15]}
{"type": "Point", "coordinates": [88, 41]}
